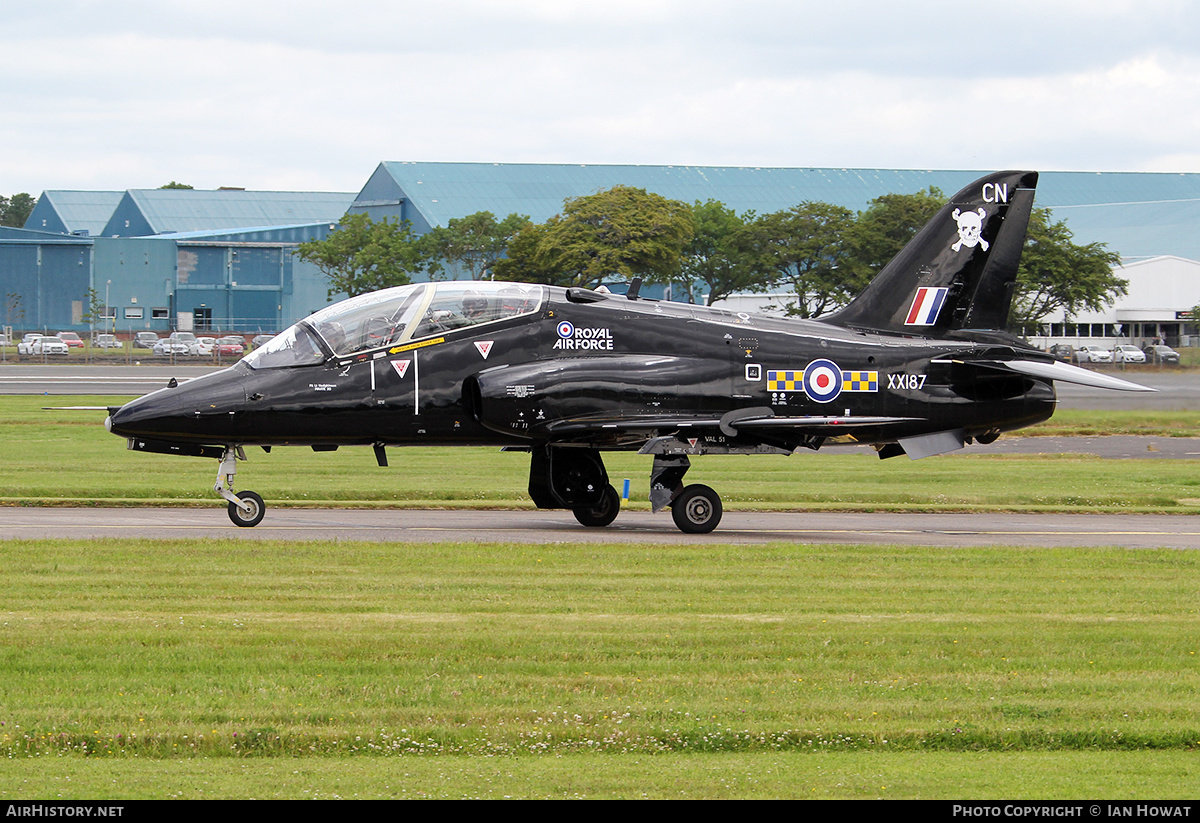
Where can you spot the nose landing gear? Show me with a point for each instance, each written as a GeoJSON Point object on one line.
{"type": "Point", "coordinates": [245, 508]}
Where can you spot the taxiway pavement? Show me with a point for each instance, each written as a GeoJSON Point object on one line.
{"type": "Point", "coordinates": [420, 526]}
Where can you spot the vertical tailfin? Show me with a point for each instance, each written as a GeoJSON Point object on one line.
{"type": "Point", "coordinates": [959, 272]}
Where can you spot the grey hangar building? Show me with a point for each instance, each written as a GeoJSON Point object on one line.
{"type": "Point", "coordinates": [224, 260]}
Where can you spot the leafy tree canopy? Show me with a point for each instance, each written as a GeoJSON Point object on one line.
{"type": "Point", "coordinates": [15, 210]}
{"type": "Point", "coordinates": [473, 244]}
{"type": "Point", "coordinates": [889, 222]}
{"type": "Point", "coordinates": [363, 255]}
{"type": "Point", "coordinates": [1057, 275]}
{"type": "Point", "coordinates": [806, 249]}
{"type": "Point", "coordinates": [174, 185]}
{"type": "Point", "coordinates": [620, 233]}
{"type": "Point", "coordinates": [522, 263]}
{"type": "Point", "coordinates": [720, 254]}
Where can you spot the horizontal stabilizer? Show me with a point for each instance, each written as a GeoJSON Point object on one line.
{"type": "Point", "coordinates": [1057, 370]}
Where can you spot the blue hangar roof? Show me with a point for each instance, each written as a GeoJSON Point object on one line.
{"type": "Point", "coordinates": [145, 212]}
{"type": "Point", "coordinates": [73, 212]}
{"type": "Point", "coordinates": [1137, 214]}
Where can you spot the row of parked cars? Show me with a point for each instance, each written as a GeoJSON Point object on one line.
{"type": "Point", "coordinates": [1118, 354]}
{"type": "Point", "coordinates": [178, 343]}
{"type": "Point", "coordinates": [59, 343]}
{"type": "Point", "coordinates": [188, 344]}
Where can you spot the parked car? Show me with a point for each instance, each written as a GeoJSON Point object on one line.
{"type": "Point", "coordinates": [48, 345]}
{"type": "Point", "coordinates": [26, 344]}
{"type": "Point", "coordinates": [205, 345]}
{"type": "Point", "coordinates": [231, 346]}
{"type": "Point", "coordinates": [166, 347]}
{"type": "Point", "coordinates": [1161, 354]}
{"type": "Point", "coordinates": [72, 340]}
{"type": "Point", "coordinates": [145, 340]}
{"type": "Point", "coordinates": [1093, 354]}
{"type": "Point", "coordinates": [1128, 354]}
{"type": "Point", "coordinates": [261, 340]}
{"type": "Point", "coordinates": [106, 341]}
{"type": "Point", "coordinates": [1063, 351]}
{"type": "Point", "coordinates": [186, 338]}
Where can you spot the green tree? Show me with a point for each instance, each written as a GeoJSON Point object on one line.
{"type": "Point", "coordinates": [15, 210]}
{"type": "Point", "coordinates": [888, 223]}
{"type": "Point", "coordinates": [363, 255]}
{"type": "Point", "coordinates": [522, 263]}
{"type": "Point", "coordinates": [174, 185]}
{"type": "Point", "coordinates": [807, 250]}
{"type": "Point", "coordinates": [93, 309]}
{"type": "Point", "coordinates": [720, 254]}
{"type": "Point", "coordinates": [473, 244]}
{"type": "Point", "coordinates": [620, 233]}
{"type": "Point", "coordinates": [1057, 275]}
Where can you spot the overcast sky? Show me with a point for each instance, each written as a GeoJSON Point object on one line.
{"type": "Point", "coordinates": [304, 95]}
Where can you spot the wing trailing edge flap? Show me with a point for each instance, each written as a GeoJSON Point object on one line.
{"type": "Point", "coordinates": [1055, 370]}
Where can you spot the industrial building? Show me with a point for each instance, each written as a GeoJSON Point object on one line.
{"type": "Point", "coordinates": [223, 260]}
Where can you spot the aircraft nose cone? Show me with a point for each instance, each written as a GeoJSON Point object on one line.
{"type": "Point", "coordinates": [144, 416]}
{"type": "Point", "coordinates": [198, 410]}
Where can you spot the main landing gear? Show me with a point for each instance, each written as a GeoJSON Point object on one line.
{"type": "Point", "coordinates": [696, 509]}
{"type": "Point", "coordinates": [245, 508]}
{"type": "Point", "coordinates": [562, 477]}
{"type": "Point", "coordinates": [604, 512]}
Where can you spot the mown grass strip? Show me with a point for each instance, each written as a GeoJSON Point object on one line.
{"type": "Point", "coordinates": [58, 457]}
{"type": "Point", "coordinates": [133, 648]}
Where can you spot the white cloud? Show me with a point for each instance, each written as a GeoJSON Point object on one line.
{"type": "Point", "coordinates": [275, 95]}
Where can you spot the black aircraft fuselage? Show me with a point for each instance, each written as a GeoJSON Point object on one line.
{"type": "Point", "coordinates": [629, 363]}
{"type": "Point", "coordinates": [916, 365]}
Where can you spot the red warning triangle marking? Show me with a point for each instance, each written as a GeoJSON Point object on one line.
{"type": "Point", "coordinates": [401, 366]}
{"type": "Point", "coordinates": [485, 347]}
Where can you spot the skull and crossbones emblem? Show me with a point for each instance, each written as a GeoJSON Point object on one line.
{"type": "Point", "coordinates": [970, 228]}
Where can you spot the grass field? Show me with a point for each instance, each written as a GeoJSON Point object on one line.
{"type": "Point", "coordinates": [63, 456]}
{"type": "Point", "coordinates": [213, 668]}
{"type": "Point", "coordinates": [784, 670]}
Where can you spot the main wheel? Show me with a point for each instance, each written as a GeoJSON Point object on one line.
{"type": "Point", "coordinates": [604, 512]}
{"type": "Point", "coordinates": [697, 509]}
{"type": "Point", "coordinates": [241, 517]}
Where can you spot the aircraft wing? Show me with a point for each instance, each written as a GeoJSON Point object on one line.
{"type": "Point", "coordinates": [756, 420]}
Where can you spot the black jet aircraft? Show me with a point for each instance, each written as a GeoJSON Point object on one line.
{"type": "Point", "coordinates": [917, 364]}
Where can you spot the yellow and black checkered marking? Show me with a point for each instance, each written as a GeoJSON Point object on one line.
{"type": "Point", "coordinates": [860, 381]}
{"type": "Point", "coordinates": [785, 381]}
{"type": "Point", "coordinates": [794, 381]}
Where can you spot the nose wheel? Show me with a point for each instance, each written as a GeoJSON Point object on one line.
{"type": "Point", "coordinates": [245, 508]}
{"type": "Point", "coordinates": [250, 510]}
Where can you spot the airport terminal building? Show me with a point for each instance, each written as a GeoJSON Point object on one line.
{"type": "Point", "coordinates": [224, 260]}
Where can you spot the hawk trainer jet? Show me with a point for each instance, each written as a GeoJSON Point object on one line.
{"type": "Point", "coordinates": [916, 365]}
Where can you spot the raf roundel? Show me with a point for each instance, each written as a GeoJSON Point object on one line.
{"type": "Point", "coordinates": [822, 380]}
{"type": "Point", "coordinates": [565, 330]}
